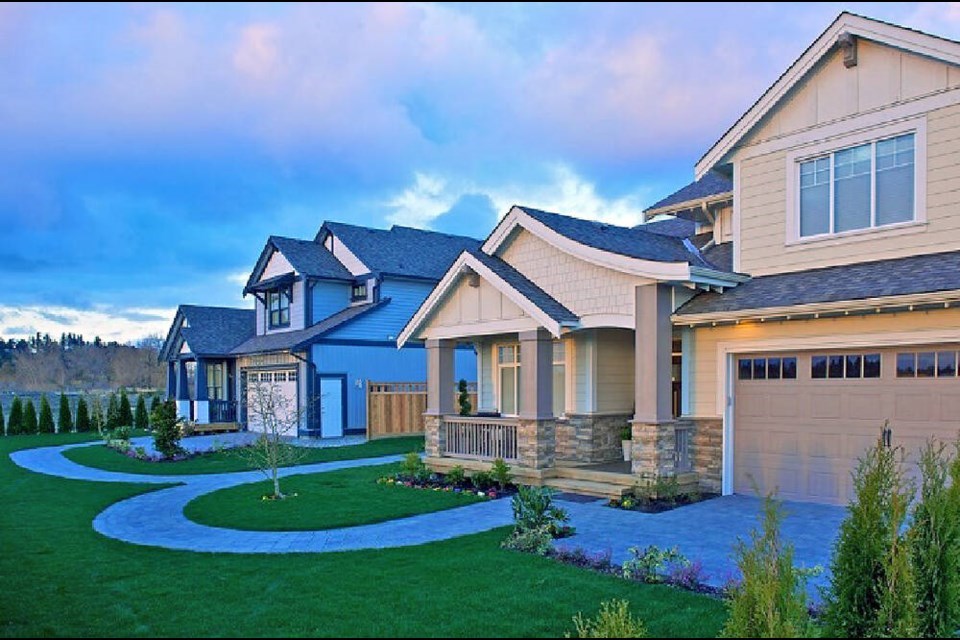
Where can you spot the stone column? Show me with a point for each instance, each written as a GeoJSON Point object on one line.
{"type": "Point", "coordinates": [654, 440]}
{"type": "Point", "coordinates": [440, 392]}
{"type": "Point", "coordinates": [536, 435]}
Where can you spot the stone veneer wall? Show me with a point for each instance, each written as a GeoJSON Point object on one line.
{"type": "Point", "coordinates": [589, 438]}
{"type": "Point", "coordinates": [536, 442]}
{"type": "Point", "coordinates": [433, 436]}
{"type": "Point", "coordinates": [707, 453]}
{"type": "Point", "coordinates": [654, 449]}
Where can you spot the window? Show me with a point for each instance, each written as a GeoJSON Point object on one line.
{"type": "Point", "coordinates": [927, 364]}
{"type": "Point", "coordinates": [850, 366]}
{"type": "Point", "coordinates": [278, 307]}
{"type": "Point", "coordinates": [358, 292]}
{"type": "Point", "coordinates": [215, 381]}
{"type": "Point", "coordinates": [292, 375]}
{"type": "Point", "coordinates": [559, 377]}
{"type": "Point", "coordinates": [870, 185]}
{"type": "Point", "coordinates": [767, 368]}
{"type": "Point", "coordinates": [280, 376]}
{"type": "Point", "coordinates": [508, 377]}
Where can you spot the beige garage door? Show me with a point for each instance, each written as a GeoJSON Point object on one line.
{"type": "Point", "coordinates": [801, 419]}
{"type": "Point", "coordinates": [283, 384]}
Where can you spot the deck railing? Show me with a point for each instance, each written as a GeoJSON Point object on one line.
{"type": "Point", "coordinates": [480, 438]}
{"type": "Point", "coordinates": [223, 411]}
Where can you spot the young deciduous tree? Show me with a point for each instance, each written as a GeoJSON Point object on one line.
{"type": "Point", "coordinates": [64, 417]}
{"type": "Point", "coordinates": [46, 416]}
{"type": "Point", "coordinates": [276, 416]}
{"type": "Point", "coordinates": [83, 417]}
{"type": "Point", "coordinates": [141, 420]}
{"type": "Point", "coordinates": [15, 423]}
{"type": "Point", "coordinates": [126, 413]}
{"type": "Point", "coordinates": [30, 423]}
{"type": "Point", "coordinates": [97, 420]}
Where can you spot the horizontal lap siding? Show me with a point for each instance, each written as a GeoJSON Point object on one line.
{"type": "Point", "coordinates": [386, 322]}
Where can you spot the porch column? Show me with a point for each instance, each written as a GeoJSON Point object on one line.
{"type": "Point", "coordinates": [653, 427]}
{"type": "Point", "coordinates": [536, 435]}
{"type": "Point", "coordinates": [172, 380]}
{"type": "Point", "coordinates": [183, 392]}
{"type": "Point", "coordinates": [202, 414]}
{"type": "Point", "coordinates": [440, 392]}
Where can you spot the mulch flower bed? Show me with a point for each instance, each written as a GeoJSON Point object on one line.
{"type": "Point", "coordinates": [438, 482]}
{"type": "Point", "coordinates": [655, 505]}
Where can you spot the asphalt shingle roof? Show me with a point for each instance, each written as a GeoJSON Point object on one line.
{"type": "Point", "coordinates": [402, 251]}
{"type": "Point", "coordinates": [300, 338]}
{"type": "Point", "coordinates": [631, 242]}
{"type": "Point", "coordinates": [675, 227]}
{"type": "Point", "coordinates": [710, 184]}
{"type": "Point", "coordinates": [899, 276]}
{"type": "Point", "coordinates": [310, 258]}
{"type": "Point", "coordinates": [543, 300]}
{"type": "Point", "coordinates": [215, 331]}
{"type": "Point", "coordinates": [720, 256]}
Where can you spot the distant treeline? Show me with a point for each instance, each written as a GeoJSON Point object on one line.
{"type": "Point", "coordinates": [41, 363]}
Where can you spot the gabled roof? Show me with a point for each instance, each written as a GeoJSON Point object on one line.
{"type": "Point", "coordinates": [884, 32]}
{"type": "Point", "coordinates": [674, 227]}
{"type": "Point", "coordinates": [209, 331]}
{"type": "Point", "coordinates": [310, 259]}
{"type": "Point", "coordinates": [400, 251]}
{"type": "Point", "coordinates": [525, 287]}
{"type": "Point", "coordinates": [710, 185]}
{"type": "Point", "coordinates": [939, 272]}
{"type": "Point", "coordinates": [720, 255]}
{"type": "Point", "coordinates": [302, 338]}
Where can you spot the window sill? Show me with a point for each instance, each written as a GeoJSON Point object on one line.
{"type": "Point", "coordinates": [891, 230]}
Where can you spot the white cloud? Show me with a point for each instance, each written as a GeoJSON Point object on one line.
{"type": "Point", "coordinates": [428, 197]}
{"type": "Point", "coordinates": [239, 278]}
{"type": "Point", "coordinates": [110, 324]}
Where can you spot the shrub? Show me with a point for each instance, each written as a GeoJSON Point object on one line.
{"type": "Point", "coordinates": [689, 575]}
{"type": "Point", "coordinates": [456, 475]}
{"type": "Point", "coordinates": [30, 423]}
{"type": "Point", "coordinates": [45, 423]}
{"type": "Point", "coordinates": [126, 413]}
{"type": "Point", "coordinates": [140, 418]}
{"type": "Point", "coordinates": [500, 473]}
{"type": "Point", "coordinates": [537, 541]}
{"type": "Point", "coordinates": [83, 417]}
{"type": "Point", "coordinates": [154, 404]}
{"type": "Point", "coordinates": [15, 423]}
{"type": "Point", "coordinates": [653, 487]}
{"type": "Point", "coordinates": [648, 565]}
{"type": "Point", "coordinates": [868, 547]}
{"type": "Point", "coordinates": [482, 480]}
{"type": "Point", "coordinates": [771, 599]}
{"type": "Point", "coordinates": [463, 398]}
{"type": "Point", "coordinates": [413, 468]}
{"type": "Point", "coordinates": [935, 543]}
{"type": "Point", "coordinates": [166, 430]}
{"type": "Point", "coordinates": [600, 561]}
{"type": "Point", "coordinates": [2, 429]}
{"type": "Point", "coordinates": [113, 413]}
{"type": "Point", "coordinates": [533, 508]}
{"type": "Point", "coordinates": [64, 417]}
{"type": "Point", "coordinates": [614, 620]}
{"type": "Point", "coordinates": [626, 433]}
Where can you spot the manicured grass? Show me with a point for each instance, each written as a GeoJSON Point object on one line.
{"type": "Point", "coordinates": [60, 578]}
{"type": "Point", "coordinates": [227, 461]}
{"type": "Point", "coordinates": [323, 501]}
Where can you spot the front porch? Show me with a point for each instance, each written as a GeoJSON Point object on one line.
{"type": "Point", "coordinates": [204, 390]}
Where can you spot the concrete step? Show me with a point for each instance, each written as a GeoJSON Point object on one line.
{"type": "Point", "coordinates": [588, 475]}
{"type": "Point", "coordinates": [216, 427]}
{"type": "Point", "coordinates": [587, 487]}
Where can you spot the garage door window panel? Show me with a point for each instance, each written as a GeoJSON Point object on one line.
{"type": "Point", "coordinates": [782, 368]}
{"type": "Point", "coordinates": [926, 364]}
{"type": "Point", "coordinates": [946, 364]}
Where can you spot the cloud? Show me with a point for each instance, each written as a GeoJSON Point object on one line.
{"type": "Point", "coordinates": [427, 198]}
{"type": "Point", "coordinates": [122, 325]}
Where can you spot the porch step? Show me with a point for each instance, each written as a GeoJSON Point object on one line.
{"type": "Point", "coordinates": [216, 427]}
{"type": "Point", "coordinates": [592, 475]}
{"type": "Point", "coordinates": [590, 488]}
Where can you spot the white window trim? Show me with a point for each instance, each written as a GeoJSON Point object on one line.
{"type": "Point", "coordinates": [495, 370]}
{"type": "Point", "coordinates": [567, 345]}
{"type": "Point", "coordinates": [917, 126]}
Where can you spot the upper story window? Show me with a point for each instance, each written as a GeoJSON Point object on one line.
{"type": "Point", "coordinates": [862, 187]}
{"type": "Point", "coordinates": [278, 307]}
{"type": "Point", "coordinates": [358, 292]}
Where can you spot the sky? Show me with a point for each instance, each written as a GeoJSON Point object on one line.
{"type": "Point", "coordinates": [148, 150]}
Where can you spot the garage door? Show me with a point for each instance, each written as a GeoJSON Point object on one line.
{"type": "Point", "coordinates": [801, 419]}
{"type": "Point", "coordinates": [282, 384]}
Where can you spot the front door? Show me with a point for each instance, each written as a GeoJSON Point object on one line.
{"type": "Point", "coordinates": [331, 406]}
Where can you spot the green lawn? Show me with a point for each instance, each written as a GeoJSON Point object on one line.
{"type": "Point", "coordinates": [60, 578]}
{"type": "Point", "coordinates": [227, 461]}
{"type": "Point", "coordinates": [323, 501]}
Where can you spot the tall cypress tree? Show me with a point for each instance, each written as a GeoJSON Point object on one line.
{"type": "Point", "coordinates": [3, 431]}
{"type": "Point", "coordinates": [154, 404]}
{"type": "Point", "coordinates": [64, 417]}
{"type": "Point", "coordinates": [15, 423]}
{"type": "Point", "coordinates": [46, 416]}
{"type": "Point", "coordinates": [140, 418]}
{"type": "Point", "coordinates": [113, 412]}
{"type": "Point", "coordinates": [126, 414]}
{"type": "Point", "coordinates": [83, 416]}
{"type": "Point", "coordinates": [30, 424]}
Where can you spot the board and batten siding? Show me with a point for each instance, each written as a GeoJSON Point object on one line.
{"type": "Point", "coordinates": [277, 266]}
{"type": "Point", "coordinates": [800, 334]}
{"type": "Point", "coordinates": [584, 288]}
{"type": "Point", "coordinates": [883, 78]}
{"type": "Point", "coordinates": [467, 305]}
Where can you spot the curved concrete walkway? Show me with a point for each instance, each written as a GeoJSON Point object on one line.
{"type": "Point", "coordinates": [156, 518]}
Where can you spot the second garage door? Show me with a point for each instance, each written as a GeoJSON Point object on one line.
{"type": "Point", "coordinates": [801, 419]}
{"type": "Point", "coordinates": [283, 383]}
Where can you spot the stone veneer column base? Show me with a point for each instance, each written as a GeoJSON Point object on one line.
{"type": "Point", "coordinates": [707, 451]}
{"type": "Point", "coordinates": [537, 442]}
{"type": "Point", "coordinates": [654, 446]}
{"type": "Point", "coordinates": [433, 435]}
{"type": "Point", "coordinates": [587, 438]}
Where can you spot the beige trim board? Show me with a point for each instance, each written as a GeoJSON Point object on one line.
{"type": "Point", "coordinates": [689, 204]}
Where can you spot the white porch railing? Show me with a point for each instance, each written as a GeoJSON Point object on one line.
{"type": "Point", "coordinates": [480, 438]}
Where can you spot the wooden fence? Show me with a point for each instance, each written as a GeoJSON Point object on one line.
{"type": "Point", "coordinates": [396, 408]}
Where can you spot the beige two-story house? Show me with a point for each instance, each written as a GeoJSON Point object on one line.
{"type": "Point", "coordinates": [758, 332]}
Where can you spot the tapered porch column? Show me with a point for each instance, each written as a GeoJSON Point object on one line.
{"type": "Point", "coordinates": [653, 428]}
{"type": "Point", "coordinates": [183, 391]}
{"type": "Point", "coordinates": [536, 435]}
{"type": "Point", "coordinates": [440, 392]}
{"type": "Point", "coordinates": [172, 380]}
{"type": "Point", "coordinates": [202, 413]}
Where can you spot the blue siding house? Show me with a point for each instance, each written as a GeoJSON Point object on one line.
{"type": "Point", "coordinates": [326, 316]}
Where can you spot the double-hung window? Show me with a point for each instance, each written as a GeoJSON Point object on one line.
{"type": "Point", "coordinates": [278, 307]}
{"type": "Point", "coordinates": [215, 381]}
{"type": "Point", "coordinates": [867, 186]}
{"type": "Point", "coordinates": [559, 377]}
{"type": "Point", "coordinates": [508, 378]}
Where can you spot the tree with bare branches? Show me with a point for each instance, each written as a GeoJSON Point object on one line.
{"type": "Point", "coordinates": [276, 417]}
